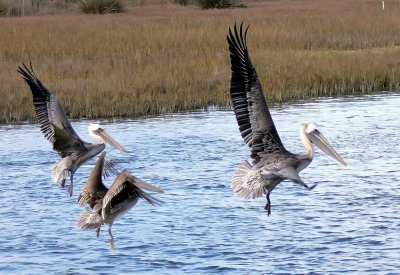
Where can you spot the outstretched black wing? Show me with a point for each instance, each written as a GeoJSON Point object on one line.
{"type": "Point", "coordinates": [252, 114]}
{"type": "Point", "coordinates": [127, 187]}
{"type": "Point", "coordinates": [53, 122]}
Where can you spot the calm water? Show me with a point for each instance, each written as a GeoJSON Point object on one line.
{"type": "Point", "coordinates": [349, 223]}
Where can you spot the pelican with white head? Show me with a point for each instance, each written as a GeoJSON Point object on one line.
{"type": "Point", "coordinates": [270, 162]}
{"type": "Point", "coordinates": [103, 136]}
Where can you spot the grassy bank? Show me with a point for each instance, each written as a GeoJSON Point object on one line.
{"type": "Point", "coordinates": [162, 58]}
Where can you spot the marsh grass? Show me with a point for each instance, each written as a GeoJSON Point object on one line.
{"type": "Point", "coordinates": [218, 4]}
{"type": "Point", "coordinates": [34, 7]}
{"type": "Point", "coordinates": [147, 62]}
{"type": "Point", "coordinates": [3, 8]}
{"type": "Point", "coordinates": [100, 6]}
{"type": "Point", "coordinates": [181, 2]}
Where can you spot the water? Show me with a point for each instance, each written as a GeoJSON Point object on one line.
{"type": "Point", "coordinates": [349, 223]}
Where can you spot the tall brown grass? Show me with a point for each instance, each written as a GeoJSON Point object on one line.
{"type": "Point", "coordinates": [167, 58]}
{"type": "Point", "coordinates": [34, 7]}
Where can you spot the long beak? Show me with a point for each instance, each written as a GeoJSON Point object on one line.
{"type": "Point", "coordinates": [105, 135]}
{"type": "Point", "coordinates": [322, 143]}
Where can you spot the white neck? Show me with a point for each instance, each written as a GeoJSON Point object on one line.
{"type": "Point", "coordinates": [309, 147]}
{"type": "Point", "coordinates": [96, 137]}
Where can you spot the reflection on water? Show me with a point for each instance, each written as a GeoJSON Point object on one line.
{"type": "Point", "coordinates": [350, 222]}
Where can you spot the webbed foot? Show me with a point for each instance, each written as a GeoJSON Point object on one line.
{"type": "Point", "coordinates": [311, 187]}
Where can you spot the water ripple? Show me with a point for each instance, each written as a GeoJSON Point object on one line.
{"type": "Point", "coordinates": [348, 224]}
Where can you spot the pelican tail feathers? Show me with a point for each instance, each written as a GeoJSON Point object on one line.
{"type": "Point", "coordinates": [247, 183]}
{"type": "Point", "coordinates": [61, 169]}
{"type": "Point", "coordinates": [90, 220]}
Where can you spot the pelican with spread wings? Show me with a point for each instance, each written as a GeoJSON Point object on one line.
{"type": "Point", "coordinates": [108, 204]}
{"type": "Point", "coordinates": [270, 163]}
{"type": "Point", "coordinates": [57, 129]}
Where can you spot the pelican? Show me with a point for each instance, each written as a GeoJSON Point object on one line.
{"type": "Point", "coordinates": [58, 130]}
{"type": "Point", "coordinates": [109, 204]}
{"type": "Point", "coordinates": [270, 163]}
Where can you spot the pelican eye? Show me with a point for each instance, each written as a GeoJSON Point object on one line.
{"type": "Point", "coordinates": [99, 130]}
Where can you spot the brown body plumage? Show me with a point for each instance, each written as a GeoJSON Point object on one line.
{"type": "Point", "coordinates": [57, 129]}
{"type": "Point", "coordinates": [107, 204]}
{"type": "Point", "coordinates": [270, 163]}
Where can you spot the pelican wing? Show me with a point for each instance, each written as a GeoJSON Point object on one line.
{"type": "Point", "coordinates": [94, 190]}
{"type": "Point", "coordinates": [66, 144]}
{"type": "Point", "coordinates": [126, 188]}
{"type": "Point", "coordinates": [51, 117]}
{"type": "Point", "coordinates": [252, 114]}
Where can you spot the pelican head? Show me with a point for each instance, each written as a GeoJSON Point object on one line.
{"type": "Point", "coordinates": [101, 135]}
{"type": "Point", "coordinates": [316, 138]}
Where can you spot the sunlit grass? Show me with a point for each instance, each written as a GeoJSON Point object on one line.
{"type": "Point", "coordinates": [165, 58]}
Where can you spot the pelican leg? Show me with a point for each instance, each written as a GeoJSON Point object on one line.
{"type": "Point", "coordinates": [98, 232]}
{"type": "Point", "coordinates": [63, 183]}
{"type": "Point", "coordinates": [300, 182]}
{"type": "Point", "coordinates": [112, 244]}
{"type": "Point", "coordinates": [268, 205]}
{"type": "Point", "coordinates": [71, 186]}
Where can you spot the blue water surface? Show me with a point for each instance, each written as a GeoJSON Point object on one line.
{"type": "Point", "coordinates": [350, 223]}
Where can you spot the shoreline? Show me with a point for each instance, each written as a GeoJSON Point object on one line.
{"type": "Point", "coordinates": [153, 61]}
{"type": "Point", "coordinates": [271, 105]}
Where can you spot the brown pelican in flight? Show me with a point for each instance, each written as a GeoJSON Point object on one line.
{"type": "Point", "coordinates": [109, 204]}
{"type": "Point", "coordinates": [270, 162]}
{"type": "Point", "coordinates": [58, 130]}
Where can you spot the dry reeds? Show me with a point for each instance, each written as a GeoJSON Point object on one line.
{"type": "Point", "coordinates": [153, 60]}
{"type": "Point", "coordinates": [33, 7]}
